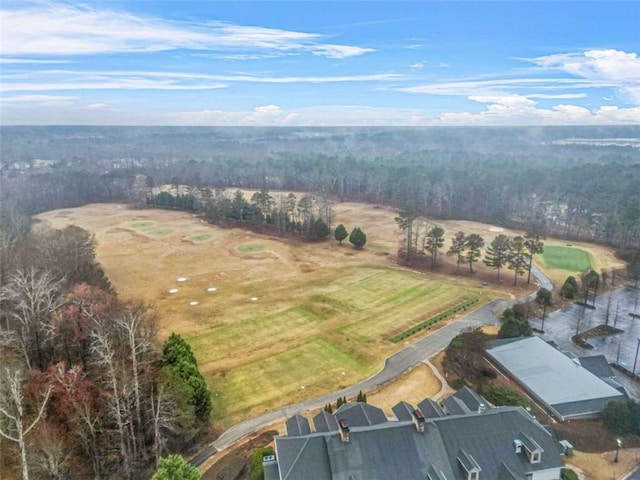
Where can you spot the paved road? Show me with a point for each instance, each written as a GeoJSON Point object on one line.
{"type": "Point", "coordinates": [394, 366]}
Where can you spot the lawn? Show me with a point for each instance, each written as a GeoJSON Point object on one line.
{"type": "Point", "coordinates": [283, 315]}
{"type": "Point", "coordinates": [571, 259]}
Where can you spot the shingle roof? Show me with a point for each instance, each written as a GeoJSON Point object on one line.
{"type": "Point", "coordinates": [360, 414]}
{"type": "Point", "coordinates": [454, 406]}
{"type": "Point", "coordinates": [403, 411]}
{"type": "Point", "coordinates": [431, 409]}
{"type": "Point", "coordinates": [598, 365]}
{"type": "Point", "coordinates": [325, 422]}
{"type": "Point", "coordinates": [470, 398]}
{"type": "Point", "coordinates": [297, 425]}
{"type": "Point", "coordinates": [395, 450]}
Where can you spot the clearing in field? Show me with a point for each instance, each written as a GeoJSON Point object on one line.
{"type": "Point", "coordinates": [571, 259]}
{"type": "Point", "coordinates": [275, 321]}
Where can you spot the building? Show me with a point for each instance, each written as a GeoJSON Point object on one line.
{"type": "Point", "coordinates": [560, 383]}
{"type": "Point", "coordinates": [358, 442]}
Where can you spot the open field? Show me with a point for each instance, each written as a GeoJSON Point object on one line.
{"type": "Point", "coordinates": [566, 258]}
{"type": "Point", "coordinates": [273, 322]}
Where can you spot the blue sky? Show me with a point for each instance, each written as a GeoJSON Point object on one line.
{"type": "Point", "coordinates": [320, 63]}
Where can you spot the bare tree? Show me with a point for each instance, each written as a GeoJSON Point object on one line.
{"type": "Point", "coordinates": [15, 426]}
{"type": "Point", "coordinates": [32, 297]}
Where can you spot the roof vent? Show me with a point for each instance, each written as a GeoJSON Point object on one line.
{"type": "Point", "coordinates": [481, 408]}
{"type": "Point", "coordinates": [518, 445]}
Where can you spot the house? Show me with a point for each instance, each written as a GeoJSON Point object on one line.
{"type": "Point", "coordinates": [504, 443]}
{"type": "Point", "coordinates": [561, 384]}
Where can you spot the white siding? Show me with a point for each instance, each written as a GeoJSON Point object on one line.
{"type": "Point", "coordinates": [550, 474]}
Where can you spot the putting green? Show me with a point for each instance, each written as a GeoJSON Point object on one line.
{"type": "Point", "coordinates": [160, 233]}
{"type": "Point", "coordinates": [571, 259]}
{"type": "Point", "coordinates": [142, 224]}
{"type": "Point", "coordinates": [202, 237]}
{"type": "Point", "coordinates": [250, 247]}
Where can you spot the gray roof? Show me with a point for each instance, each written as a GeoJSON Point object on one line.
{"type": "Point", "coordinates": [454, 406]}
{"type": "Point", "coordinates": [431, 409]}
{"type": "Point", "coordinates": [552, 377]}
{"type": "Point", "coordinates": [297, 425]}
{"type": "Point", "coordinates": [470, 398]}
{"type": "Point", "coordinates": [325, 422]}
{"type": "Point", "coordinates": [403, 411]}
{"type": "Point", "coordinates": [489, 437]}
{"type": "Point", "coordinates": [598, 365]}
{"type": "Point", "coordinates": [395, 450]}
{"type": "Point", "coordinates": [360, 414]}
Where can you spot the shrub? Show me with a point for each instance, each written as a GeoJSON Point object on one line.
{"type": "Point", "coordinates": [257, 470]}
{"type": "Point", "coordinates": [568, 474]}
{"type": "Point", "coordinates": [503, 396]}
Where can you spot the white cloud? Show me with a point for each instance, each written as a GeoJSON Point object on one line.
{"type": "Point", "coordinates": [616, 66]}
{"type": "Point", "coordinates": [40, 100]}
{"type": "Point", "coordinates": [557, 95]}
{"type": "Point", "coordinates": [61, 29]}
{"type": "Point", "coordinates": [444, 65]}
{"type": "Point", "coordinates": [31, 61]}
{"type": "Point", "coordinates": [418, 65]}
{"type": "Point", "coordinates": [55, 80]}
{"type": "Point", "coordinates": [96, 106]}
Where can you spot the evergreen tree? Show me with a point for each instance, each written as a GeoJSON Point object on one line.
{"type": "Point", "coordinates": [433, 242]}
{"type": "Point", "coordinates": [320, 229]}
{"type": "Point", "coordinates": [474, 244]}
{"type": "Point", "coordinates": [497, 254]}
{"type": "Point", "coordinates": [358, 238]}
{"type": "Point", "coordinates": [517, 261]}
{"type": "Point", "coordinates": [341, 233]}
{"type": "Point", "coordinates": [533, 244]}
{"type": "Point", "coordinates": [178, 360]}
{"type": "Point", "coordinates": [175, 467]}
{"type": "Point", "coordinates": [458, 246]}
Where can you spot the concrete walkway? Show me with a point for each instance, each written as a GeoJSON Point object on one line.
{"type": "Point", "coordinates": [445, 389]}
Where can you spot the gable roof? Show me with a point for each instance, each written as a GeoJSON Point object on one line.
{"type": "Point", "coordinates": [598, 365]}
{"type": "Point", "coordinates": [454, 406]}
{"type": "Point", "coordinates": [325, 422]}
{"type": "Point", "coordinates": [403, 411]}
{"type": "Point", "coordinates": [470, 398]}
{"type": "Point", "coordinates": [297, 425]}
{"type": "Point", "coordinates": [431, 409]}
{"type": "Point", "coordinates": [360, 414]}
{"type": "Point", "coordinates": [396, 450]}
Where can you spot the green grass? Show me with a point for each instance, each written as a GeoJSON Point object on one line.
{"type": "Point", "coordinates": [303, 333]}
{"type": "Point", "coordinates": [276, 380]}
{"type": "Point", "coordinates": [571, 259]}
{"type": "Point", "coordinates": [200, 237]}
{"type": "Point", "coordinates": [142, 224]}
{"type": "Point", "coordinates": [250, 247]}
{"type": "Point", "coordinates": [160, 232]}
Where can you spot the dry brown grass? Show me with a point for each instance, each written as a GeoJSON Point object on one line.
{"type": "Point", "coordinates": [321, 309]}
{"type": "Point", "coordinates": [600, 466]}
{"type": "Point", "coordinates": [412, 387]}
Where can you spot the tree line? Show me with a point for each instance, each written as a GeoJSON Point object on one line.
{"type": "Point", "coordinates": [86, 391]}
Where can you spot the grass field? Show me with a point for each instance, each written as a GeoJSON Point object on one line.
{"type": "Point", "coordinates": [571, 259]}
{"type": "Point", "coordinates": [283, 315]}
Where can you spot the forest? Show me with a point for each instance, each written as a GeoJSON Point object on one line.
{"type": "Point", "coordinates": [86, 389]}
{"type": "Point", "coordinates": [505, 176]}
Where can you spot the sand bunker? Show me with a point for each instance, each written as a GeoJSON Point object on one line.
{"type": "Point", "coordinates": [173, 290]}
{"type": "Point", "coordinates": [496, 229]}
{"type": "Point", "coordinates": [193, 303]}
{"type": "Point", "coordinates": [254, 299]}
{"type": "Point", "coordinates": [182, 279]}
{"type": "Point", "coordinates": [211, 289]}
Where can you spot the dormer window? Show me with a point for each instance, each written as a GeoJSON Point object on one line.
{"type": "Point", "coordinates": [535, 457]}
{"type": "Point", "coordinates": [532, 449]}
{"type": "Point", "coordinates": [469, 464]}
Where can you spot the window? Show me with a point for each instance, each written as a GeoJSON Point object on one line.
{"type": "Point", "coordinates": [535, 457]}
{"type": "Point", "coordinates": [473, 475]}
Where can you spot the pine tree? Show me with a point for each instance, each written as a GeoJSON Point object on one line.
{"type": "Point", "coordinates": [358, 238]}
{"type": "Point", "coordinates": [341, 233]}
{"type": "Point", "coordinates": [497, 254]}
{"type": "Point", "coordinates": [458, 246]}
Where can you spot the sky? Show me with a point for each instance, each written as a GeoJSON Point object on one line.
{"type": "Point", "coordinates": [333, 63]}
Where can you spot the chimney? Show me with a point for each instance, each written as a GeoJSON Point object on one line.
{"type": "Point", "coordinates": [481, 408]}
{"type": "Point", "coordinates": [418, 420]}
{"type": "Point", "coordinates": [344, 430]}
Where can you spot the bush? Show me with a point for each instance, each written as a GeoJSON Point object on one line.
{"type": "Point", "coordinates": [569, 288]}
{"type": "Point", "coordinates": [568, 474]}
{"type": "Point", "coordinates": [257, 470]}
{"type": "Point", "coordinates": [622, 417]}
{"type": "Point", "coordinates": [503, 396]}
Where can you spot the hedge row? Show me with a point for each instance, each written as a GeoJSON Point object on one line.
{"type": "Point", "coordinates": [427, 323]}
